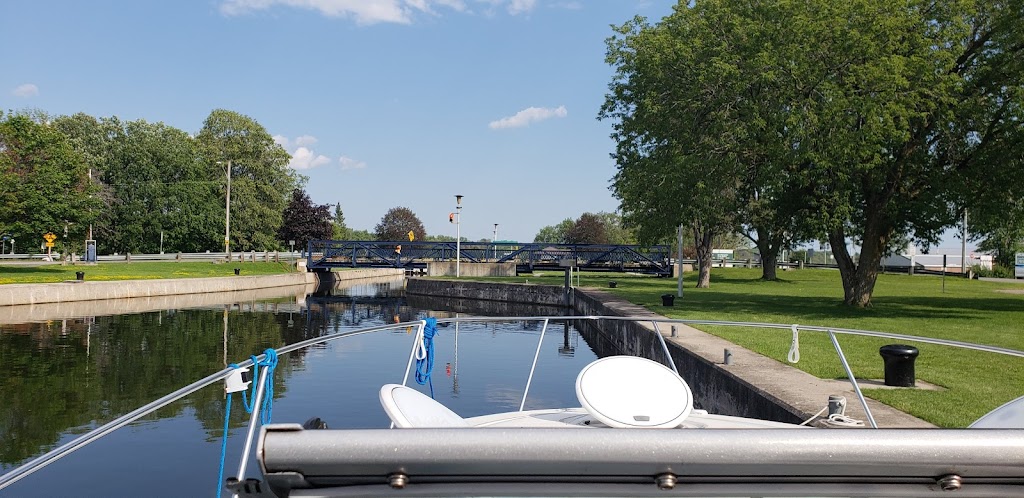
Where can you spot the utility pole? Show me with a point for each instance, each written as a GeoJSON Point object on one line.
{"type": "Point", "coordinates": [495, 241]}
{"type": "Point", "coordinates": [963, 246]}
{"type": "Point", "coordinates": [227, 217]}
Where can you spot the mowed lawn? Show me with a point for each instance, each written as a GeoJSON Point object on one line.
{"type": "Point", "coordinates": [969, 310]}
{"type": "Point", "coordinates": [25, 274]}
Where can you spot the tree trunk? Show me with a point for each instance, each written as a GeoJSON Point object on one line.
{"type": "Point", "coordinates": [702, 238]}
{"type": "Point", "coordinates": [769, 261]}
{"type": "Point", "coordinates": [769, 248]}
{"type": "Point", "coordinates": [859, 277]}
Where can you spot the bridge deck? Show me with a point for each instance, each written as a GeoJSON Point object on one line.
{"type": "Point", "coordinates": [327, 254]}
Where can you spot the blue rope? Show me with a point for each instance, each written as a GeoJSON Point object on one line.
{"type": "Point", "coordinates": [425, 365]}
{"type": "Point", "coordinates": [224, 442]}
{"type": "Point", "coordinates": [266, 409]}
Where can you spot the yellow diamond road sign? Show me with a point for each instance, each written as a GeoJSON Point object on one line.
{"type": "Point", "coordinates": [49, 237]}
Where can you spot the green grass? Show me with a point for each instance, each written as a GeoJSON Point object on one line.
{"type": "Point", "coordinates": [969, 310]}
{"type": "Point", "coordinates": [17, 274]}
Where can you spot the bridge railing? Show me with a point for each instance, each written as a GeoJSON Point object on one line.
{"type": "Point", "coordinates": [324, 254]}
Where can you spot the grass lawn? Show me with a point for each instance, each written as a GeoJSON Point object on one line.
{"type": "Point", "coordinates": [969, 310]}
{"type": "Point", "coordinates": [18, 274]}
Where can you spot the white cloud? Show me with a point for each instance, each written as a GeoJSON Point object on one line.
{"type": "Point", "coordinates": [362, 11]}
{"type": "Point", "coordinates": [529, 115]}
{"type": "Point", "coordinates": [516, 7]}
{"type": "Point", "coordinates": [349, 163]}
{"type": "Point", "coordinates": [282, 141]}
{"type": "Point", "coordinates": [25, 91]}
{"type": "Point", "coordinates": [304, 158]}
{"type": "Point", "coordinates": [305, 141]}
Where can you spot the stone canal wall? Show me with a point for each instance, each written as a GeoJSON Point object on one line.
{"type": "Point", "coordinates": [546, 295]}
{"type": "Point", "coordinates": [31, 294]}
{"type": "Point", "coordinates": [752, 385]}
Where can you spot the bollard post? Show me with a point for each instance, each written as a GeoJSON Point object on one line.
{"type": "Point", "coordinates": [728, 357]}
{"type": "Point", "coordinates": [673, 331]}
{"type": "Point", "coordinates": [899, 364]}
{"type": "Point", "coordinates": [667, 299]}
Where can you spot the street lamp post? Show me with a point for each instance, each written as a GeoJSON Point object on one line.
{"type": "Point", "coordinates": [458, 234]}
{"type": "Point", "coordinates": [495, 241]}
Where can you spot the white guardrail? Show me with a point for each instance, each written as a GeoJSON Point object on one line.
{"type": "Point", "coordinates": [250, 256]}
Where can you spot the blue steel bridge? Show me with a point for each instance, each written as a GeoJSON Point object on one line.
{"type": "Point", "coordinates": [324, 255]}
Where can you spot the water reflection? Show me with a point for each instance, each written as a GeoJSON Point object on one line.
{"type": "Point", "coordinates": [61, 375]}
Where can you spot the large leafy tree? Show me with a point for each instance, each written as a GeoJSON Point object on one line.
{"type": "Point", "coordinates": [397, 223]}
{"type": "Point", "coordinates": [589, 228]}
{"type": "Point", "coordinates": [555, 234]}
{"type": "Point", "coordinates": [304, 221]}
{"type": "Point", "coordinates": [339, 230]}
{"type": "Point", "coordinates": [888, 118]}
{"type": "Point", "coordinates": [44, 184]}
{"type": "Point", "coordinates": [261, 181]}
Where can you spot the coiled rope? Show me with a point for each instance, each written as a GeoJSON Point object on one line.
{"type": "Point", "coordinates": [425, 355]}
{"type": "Point", "coordinates": [266, 408]}
{"type": "Point", "coordinates": [794, 347]}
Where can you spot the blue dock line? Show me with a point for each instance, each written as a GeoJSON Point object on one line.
{"type": "Point", "coordinates": [266, 408]}
{"type": "Point", "coordinates": [425, 365]}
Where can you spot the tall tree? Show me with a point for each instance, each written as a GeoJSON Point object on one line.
{"type": "Point", "coordinates": [888, 117]}
{"type": "Point", "coordinates": [397, 223]}
{"type": "Point", "coordinates": [261, 181]}
{"type": "Point", "coordinates": [589, 228]}
{"type": "Point", "coordinates": [340, 231]}
{"type": "Point", "coordinates": [555, 234]}
{"type": "Point", "coordinates": [44, 185]}
{"type": "Point", "coordinates": [304, 221]}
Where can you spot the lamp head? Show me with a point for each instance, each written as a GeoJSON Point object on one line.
{"type": "Point", "coordinates": [458, 200]}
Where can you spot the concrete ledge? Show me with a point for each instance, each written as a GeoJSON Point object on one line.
{"type": "Point", "coordinates": [752, 386]}
{"type": "Point", "coordinates": [31, 294]}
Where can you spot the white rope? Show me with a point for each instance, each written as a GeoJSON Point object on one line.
{"type": "Point", "coordinates": [805, 422]}
{"type": "Point", "coordinates": [794, 347]}
{"type": "Point", "coordinates": [421, 349]}
{"type": "Point", "coordinates": [840, 420]}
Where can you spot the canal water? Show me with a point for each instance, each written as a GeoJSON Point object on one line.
{"type": "Point", "coordinates": [62, 376]}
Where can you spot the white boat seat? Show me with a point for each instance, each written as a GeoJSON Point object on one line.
{"type": "Point", "coordinates": [1008, 416]}
{"type": "Point", "coordinates": [408, 408]}
{"type": "Point", "coordinates": [633, 392]}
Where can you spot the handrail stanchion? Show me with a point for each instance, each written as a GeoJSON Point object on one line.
{"type": "Point", "coordinates": [534, 366]}
{"type": "Point", "coordinates": [253, 419]}
{"type": "Point", "coordinates": [664, 347]}
{"type": "Point", "coordinates": [853, 380]}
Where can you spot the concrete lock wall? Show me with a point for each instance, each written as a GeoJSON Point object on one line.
{"type": "Point", "coordinates": [713, 389]}
{"type": "Point", "coordinates": [547, 295]}
{"type": "Point", "coordinates": [752, 386]}
{"type": "Point", "coordinates": [31, 294]}
{"type": "Point", "coordinates": [447, 269]}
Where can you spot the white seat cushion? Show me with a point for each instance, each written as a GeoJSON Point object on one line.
{"type": "Point", "coordinates": [407, 408]}
{"type": "Point", "coordinates": [628, 391]}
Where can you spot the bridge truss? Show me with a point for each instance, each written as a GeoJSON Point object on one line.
{"type": "Point", "coordinates": [328, 254]}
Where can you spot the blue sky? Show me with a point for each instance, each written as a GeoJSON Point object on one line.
{"type": "Point", "coordinates": [382, 103]}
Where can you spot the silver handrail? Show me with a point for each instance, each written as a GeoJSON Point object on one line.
{"type": "Point", "coordinates": [853, 380]}
{"type": "Point", "coordinates": [85, 439]}
{"type": "Point", "coordinates": [533, 367]}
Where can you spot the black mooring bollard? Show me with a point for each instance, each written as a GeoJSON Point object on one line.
{"type": "Point", "coordinates": [79, 275]}
{"type": "Point", "coordinates": [238, 271]}
{"type": "Point", "coordinates": [899, 364]}
{"type": "Point", "coordinates": [667, 299]}
{"type": "Point", "coordinates": [612, 284]}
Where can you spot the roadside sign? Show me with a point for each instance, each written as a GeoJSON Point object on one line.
{"type": "Point", "coordinates": [412, 236]}
{"type": "Point", "coordinates": [50, 237]}
{"type": "Point", "coordinates": [1018, 267]}
{"type": "Point", "coordinates": [49, 244]}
